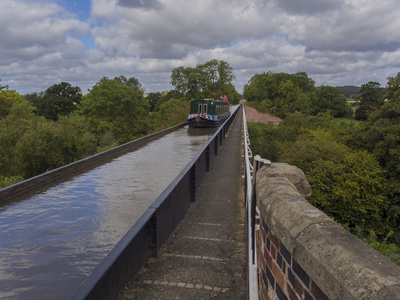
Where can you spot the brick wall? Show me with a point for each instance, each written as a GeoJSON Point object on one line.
{"type": "Point", "coordinates": [280, 276]}
{"type": "Point", "coordinates": [304, 254]}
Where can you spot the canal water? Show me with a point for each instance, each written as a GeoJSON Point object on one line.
{"type": "Point", "coordinates": [52, 239]}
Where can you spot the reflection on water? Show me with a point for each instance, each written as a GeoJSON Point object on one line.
{"type": "Point", "coordinates": [53, 239]}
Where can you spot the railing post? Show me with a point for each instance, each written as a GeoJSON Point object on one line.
{"type": "Point", "coordinates": [153, 244]}
{"type": "Point", "coordinates": [193, 183]}
{"type": "Point", "coordinates": [208, 158]}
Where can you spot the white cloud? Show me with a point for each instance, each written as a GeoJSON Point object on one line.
{"type": "Point", "coordinates": [336, 42]}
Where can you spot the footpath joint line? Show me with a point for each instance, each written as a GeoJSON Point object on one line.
{"type": "Point", "coordinates": [194, 257]}
{"type": "Point", "coordinates": [187, 285]}
{"type": "Point", "coordinates": [205, 224]}
{"type": "Point", "coordinates": [206, 239]}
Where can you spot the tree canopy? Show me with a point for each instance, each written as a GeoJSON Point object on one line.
{"type": "Point", "coordinates": [117, 106]}
{"type": "Point", "coordinates": [212, 79]}
{"type": "Point", "coordinates": [58, 100]}
{"type": "Point", "coordinates": [371, 99]}
{"type": "Point", "coordinates": [281, 94]}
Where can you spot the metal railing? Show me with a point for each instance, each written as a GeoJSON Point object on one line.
{"type": "Point", "coordinates": [153, 228]}
{"type": "Point", "coordinates": [252, 215]}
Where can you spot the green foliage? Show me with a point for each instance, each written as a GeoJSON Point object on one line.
{"type": "Point", "coordinates": [392, 91]}
{"type": "Point", "coordinates": [15, 122]}
{"type": "Point", "coordinates": [281, 93]}
{"type": "Point", "coordinates": [230, 92]}
{"type": "Point", "coordinates": [352, 190]}
{"type": "Point", "coordinates": [7, 99]}
{"type": "Point", "coordinates": [390, 250]}
{"type": "Point", "coordinates": [212, 79]}
{"type": "Point", "coordinates": [330, 99]}
{"type": "Point", "coordinates": [58, 100]}
{"type": "Point", "coordinates": [264, 140]}
{"type": "Point", "coordinates": [116, 106]}
{"type": "Point", "coordinates": [371, 99]}
{"type": "Point", "coordinates": [154, 100]}
{"type": "Point", "coordinates": [350, 92]}
{"type": "Point", "coordinates": [172, 112]}
{"type": "Point", "coordinates": [6, 181]}
{"type": "Point", "coordinates": [30, 145]}
{"type": "Point", "coordinates": [270, 140]}
{"type": "Point", "coordinates": [47, 145]}
{"type": "Point", "coordinates": [311, 146]}
{"type": "Point", "coordinates": [348, 185]}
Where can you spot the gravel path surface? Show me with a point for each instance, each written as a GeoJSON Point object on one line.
{"type": "Point", "coordinates": [253, 115]}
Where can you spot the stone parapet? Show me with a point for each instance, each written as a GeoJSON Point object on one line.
{"type": "Point", "coordinates": [304, 254]}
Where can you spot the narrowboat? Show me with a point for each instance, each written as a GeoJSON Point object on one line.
{"type": "Point", "coordinates": [208, 113]}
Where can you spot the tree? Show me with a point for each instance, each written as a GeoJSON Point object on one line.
{"type": "Point", "coordinates": [188, 81]}
{"type": "Point", "coordinates": [230, 92]}
{"type": "Point", "coordinates": [171, 112]}
{"type": "Point", "coordinates": [380, 136]}
{"type": "Point", "coordinates": [16, 115]}
{"type": "Point", "coordinates": [116, 106]}
{"type": "Point", "coordinates": [2, 87]}
{"type": "Point", "coordinates": [281, 93]}
{"type": "Point", "coordinates": [204, 81]}
{"type": "Point", "coordinates": [31, 144]}
{"type": "Point", "coordinates": [7, 99]}
{"type": "Point", "coordinates": [218, 74]}
{"type": "Point", "coordinates": [352, 191]}
{"type": "Point", "coordinates": [154, 100]}
{"type": "Point", "coordinates": [370, 100]}
{"type": "Point", "coordinates": [330, 99]}
{"type": "Point", "coordinates": [58, 100]}
{"type": "Point", "coordinates": [392, 91]}
{"type": "Point", "coordinates": [349, 186]}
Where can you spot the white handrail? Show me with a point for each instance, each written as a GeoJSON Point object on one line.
{"type": "Point", "coordinates": [251, 212]}
{"type": "Point", "coordinates": [252, 277]}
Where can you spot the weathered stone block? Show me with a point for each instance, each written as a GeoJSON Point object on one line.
{"type": "Point", "coordinates": [292, 173]}
{"type": "Point", "coordinates": [284, 210]}
{"type": "Point", "coordinates": [343, 266]}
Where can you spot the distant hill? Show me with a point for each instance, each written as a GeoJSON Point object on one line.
{"type": "Point", "coordinates": [349, 91]}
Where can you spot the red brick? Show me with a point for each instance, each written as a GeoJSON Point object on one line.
{"type": "Point", "coordinates": [268, 258]}
{"type": "Point", "coordinates": [292, 294]}
{"type": "Point", "coordinates": [273, 252]}
{"type": "Point", "coordinates": [299, 286]}
{"type": "Point", "coordinates": [263, 293]}
{"type": "Point", "coordinates": [262, 262]}
{"type": "Point", "coordinates": [274, 240]}
{"type": "Point", "coordinates": [264, 235]}
{"type": "Point", "coordinates": [279, 277]}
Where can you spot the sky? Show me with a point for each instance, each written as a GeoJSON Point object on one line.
{"type": "Point", "coordinates": [336, 42]}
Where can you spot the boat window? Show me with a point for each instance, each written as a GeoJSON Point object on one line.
{"type": "Point", "coordinates": [200, 109]}
{"type": "Point", "coordinates": [205, 109]}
